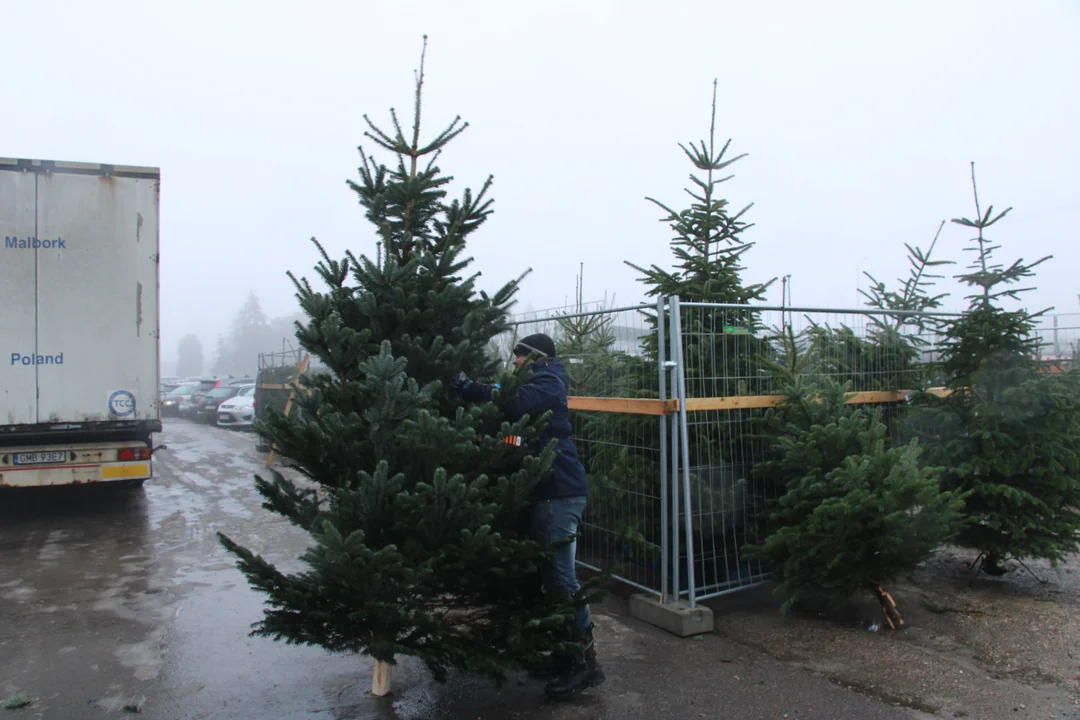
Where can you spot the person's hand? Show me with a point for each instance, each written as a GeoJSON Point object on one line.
{"type": "Point", "coordinates": [460, 381]}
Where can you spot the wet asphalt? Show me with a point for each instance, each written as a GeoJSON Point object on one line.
{"type": "Point", "coordinates": [123, 603]}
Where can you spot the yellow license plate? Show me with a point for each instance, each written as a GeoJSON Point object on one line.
{"type": "Point", "coordinates": [124, 471]}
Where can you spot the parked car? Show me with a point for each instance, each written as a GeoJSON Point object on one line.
{"type": "Point", "coordinates": [206, 384]}
{"type": "Point", "coordinates": [239, 411]}
{"type": "Point", "coordinates": [177, 402]}
{"type": "Point", "coordinates": [167, 386]}
{"type": "Point", "coordinates": [206, 405]}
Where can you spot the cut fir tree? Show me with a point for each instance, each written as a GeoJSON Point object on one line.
{"type": "Point", "coordinates": [853, 513]}
{"type": "Point", "coordinates": [897, 341]}
{"type": "Point", "coordinates": [887, 355]}
{"type": "Point", "coordinates": [411, 499]}
{"type": "Point", "coordinates": [1009, 432]}
{"type": "Point", "coordinates": [720, 346]}
{"type": "Point", "coordinates": [708, 246]}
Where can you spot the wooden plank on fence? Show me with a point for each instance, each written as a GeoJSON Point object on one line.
{"type": "Point", "coordinates": [733, 402]}
{"type": "Point", "coordinates": [626, 406]}
{"type": "Point", "coordinates": [870, 397]}
{"type": "Point", "coordinates": [275, 386]}
{"type": "Point", "coordinates": [642, 406]}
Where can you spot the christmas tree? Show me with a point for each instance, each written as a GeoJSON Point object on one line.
{"type": "Point", "coordinates": [587, 340]}
{"type": "Point", "coordinates": [898, 342]}
{"type": "Point", "coordinates": [886, 354]}
{"type": "Point", "coordinates": [1009, 432]}
{"type": "Point", "coordinates": [708, 248]}
{"type": "Point", "coordinates": [413, 500]}
{"type": "Point", "coordinates": [854, 513]}
{"type": "Point", "coordinates": [720, 346]}
{"type": "Point", "coordinates": [914, 293]}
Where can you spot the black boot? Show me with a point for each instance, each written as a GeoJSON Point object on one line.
{"type": "Point", "coordinates": [584, 672]}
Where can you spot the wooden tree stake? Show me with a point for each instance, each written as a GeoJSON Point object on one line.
{"type": "Point", "coordinates": [380, 679]}
{"type": "Point", "coordinates": [888, 607]}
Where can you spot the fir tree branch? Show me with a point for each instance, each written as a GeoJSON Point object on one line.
{"type": "Point", "coordinates": [380, 138]}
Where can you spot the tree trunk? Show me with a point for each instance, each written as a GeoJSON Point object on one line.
{"type": "Point", "coordinates": [380, 679]}
{"type": "Point", "coordinates": [888, 606]}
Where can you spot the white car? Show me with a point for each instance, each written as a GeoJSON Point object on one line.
{"type": "Point", "coordinates": [238, 411]}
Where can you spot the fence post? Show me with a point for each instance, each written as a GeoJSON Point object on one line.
{"type": "Point", "coordinates": [665, 540]}
{"type": "Point", "coordinates": [673, 450]}
{"type": "Point", "coordinates": [684, 447]}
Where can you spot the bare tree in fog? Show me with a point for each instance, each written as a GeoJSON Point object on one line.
{"type": "Point", "coordinates": [251, 333]}
{"type": "Point", "coordinates": [189, 359]}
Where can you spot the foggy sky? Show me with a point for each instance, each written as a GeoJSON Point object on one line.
{"type": "Point", "coordinates": [859, 118]}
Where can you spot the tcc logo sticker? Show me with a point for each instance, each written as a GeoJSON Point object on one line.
{"type": "Point", "coordinates": [122, 403]}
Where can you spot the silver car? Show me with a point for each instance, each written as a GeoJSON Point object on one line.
{"type": "Point", "coordinates": [238, 411]}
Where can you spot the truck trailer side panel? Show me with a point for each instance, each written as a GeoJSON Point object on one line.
{"type": "Point", "coordinates": [97, 327]}
{"type": "Point", "coordinates": [18, 316]}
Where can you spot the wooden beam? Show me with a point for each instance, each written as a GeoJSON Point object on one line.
{"type": "Point", "coordinates": [734, 402]}
{"type": "Point", "coordinates": [643, 406]}
{"type": "Point", "coordinates": [870, 397]}
{"type": "Point", "coordinates": [626, 406]}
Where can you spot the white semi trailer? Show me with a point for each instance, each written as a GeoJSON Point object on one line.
{"type": "Point", "coordinates": [79, 338]}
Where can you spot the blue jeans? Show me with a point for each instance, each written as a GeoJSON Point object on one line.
{"type": "Point", "coordinates": [551, 521]}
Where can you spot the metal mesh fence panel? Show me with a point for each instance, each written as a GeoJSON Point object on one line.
{"type": "Point", "coordinates": [611, 353]}
{"type": "Point", "coordinates": [673, 497]}
{"type": "Point", "coordinates": [1059, 338]}
{"type": "Point", "coordinates": [728, 357]}
{"type": "Point", "coordinates": [286, 358]}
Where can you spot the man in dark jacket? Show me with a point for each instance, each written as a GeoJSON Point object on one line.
{"type": "Point", "coordinates": [559, 499]}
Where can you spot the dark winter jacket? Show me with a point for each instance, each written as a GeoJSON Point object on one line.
{"type": "Point", "coordinates": [545, 390]}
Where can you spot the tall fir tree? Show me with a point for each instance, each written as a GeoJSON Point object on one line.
{"type": "Point", "coordinates": [720, 347]}
{"type": "Point", "coordinates": [894, 353]}
{"type": "Point", "coordinates": [1009, 432]}
{"type": "Point", "coordinates": [413, 500]}
{"type": "Point", "coordinates": [708, 248]}
{"type": "Point", "coordinates": [914, 292]}
{"type": "Point", "coordinates": [853, 513]}
{"type": "Point", "coordinates": [886, 355]}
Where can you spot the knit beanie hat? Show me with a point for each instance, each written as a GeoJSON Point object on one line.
{"type": "Point", "coordinates": [539, 343]}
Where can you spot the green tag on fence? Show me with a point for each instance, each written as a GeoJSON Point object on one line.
{"type": "Point", "coordinates": [733, 330]}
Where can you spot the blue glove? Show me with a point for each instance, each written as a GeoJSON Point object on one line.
{"type": "Point", "coordinates": [460, 381]}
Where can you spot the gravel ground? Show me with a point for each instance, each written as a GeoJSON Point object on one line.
{"type": "Point", "coordinates": [976, 647]}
